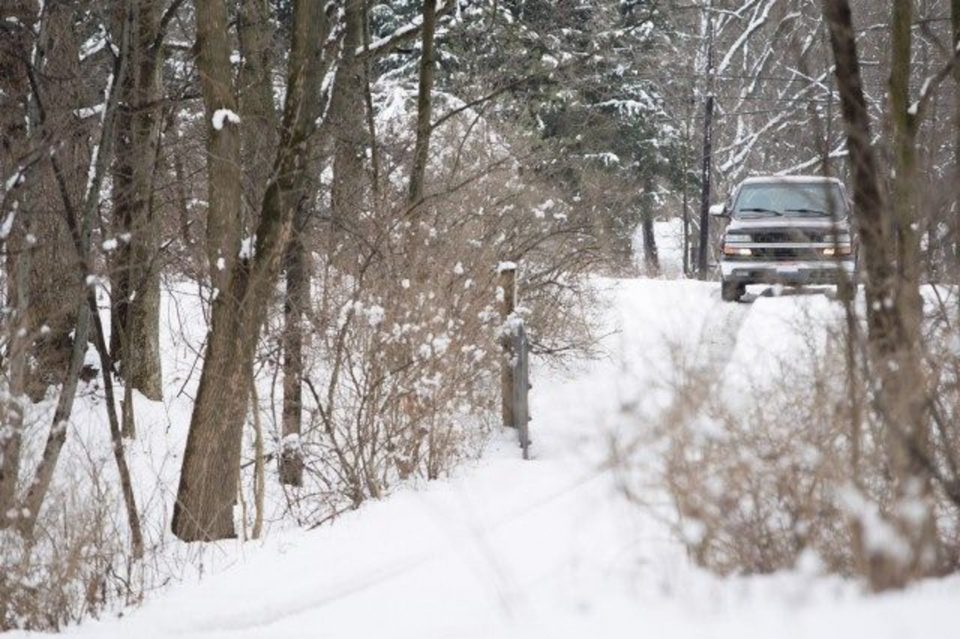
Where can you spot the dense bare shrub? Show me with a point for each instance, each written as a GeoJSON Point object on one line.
{"type": "Point", "coordinates": [765, 459]}
{"type": "Point", "coordinates": [402, 366]}
{"type": "Point", "coordinates": [74, 566]}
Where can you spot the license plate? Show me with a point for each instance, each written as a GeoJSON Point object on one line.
{"type": "Point", "coordinates": [789, 268]}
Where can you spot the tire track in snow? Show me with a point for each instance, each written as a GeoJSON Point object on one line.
{"type": "Point", "coordinates": [700, 377]}
{"type": "Point", "coordinates": [720, 343]}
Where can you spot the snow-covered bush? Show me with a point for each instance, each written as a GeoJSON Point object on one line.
{"type": "Point", "coordinates": [75, 564]}
{"type": "Point", "coordinates": [403, 358]}
{"type": "Point", "coordinates": [755, 482]}
{"type": "Point", "coordinates": [774, 451]}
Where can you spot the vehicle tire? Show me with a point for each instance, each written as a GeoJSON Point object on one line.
{"type": "Point", "coordinates": [731, 291]}
{"type": "Point", "coordinates": [846, 292]}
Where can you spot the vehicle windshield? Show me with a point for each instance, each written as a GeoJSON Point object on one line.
{"type": "Point", "coordinates": [790, 199]}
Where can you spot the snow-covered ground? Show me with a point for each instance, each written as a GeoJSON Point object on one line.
{"type": "Point", "coordinates": [547, 547]}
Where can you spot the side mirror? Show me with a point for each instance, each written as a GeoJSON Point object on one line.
{"type": "Point", "coordinates": [718, 210]}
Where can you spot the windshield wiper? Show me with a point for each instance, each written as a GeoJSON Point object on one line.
{"type": "Point", "coordinates": [808, 211]}
{"type": "Point", "coordinates": [756, 209]}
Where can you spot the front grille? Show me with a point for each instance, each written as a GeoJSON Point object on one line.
{"type": "Point", "coordinates": [806, 276]}
{"type": "Point", "coordinates": [785, 254]}
{"type": "Point", "coordinates": [770, 237]}
{"type": "Point", "coordinates": [787, 236]}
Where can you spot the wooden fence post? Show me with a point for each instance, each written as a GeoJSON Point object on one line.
{"type": "Point", "coordinates": [508, 299]}
{"type": "Point", "coordinates": [521, 388]}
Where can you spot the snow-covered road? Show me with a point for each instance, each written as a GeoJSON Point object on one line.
{"type": "Point", "coordinates": [544, 548]}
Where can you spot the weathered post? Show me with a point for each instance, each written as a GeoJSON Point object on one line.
{"type": "Point", "coordinates": [705, 168]}
{"type": "Point", "coordinates": [521, 387]}
{"type": "Point", "coordinates": [507, 294]}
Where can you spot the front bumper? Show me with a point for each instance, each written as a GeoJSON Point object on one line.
{"type": "Point", "coordinates": [783, 272]}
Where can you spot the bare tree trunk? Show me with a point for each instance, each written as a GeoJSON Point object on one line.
{"type": "Point", "coordinates": [79, 227]}
{"type": "Point", "coordinates": [258, 115]}
{"type": "Point", "coordinates": [13, 408]}
{"type": "Point", "coordinates": [421, 151]}
{"type": "Point", "coordinates": [905, 133]}
{"type": "Point", "coordinates": [223, 141]}
{"type": "Point", "coordinates": [80, 234]}
{"type": "Point", "coordinates": [135, 286]}
{"type": "Point", "coordinates": [53, 70]}
{"type": "Point", "coordinates": [209, 475]}
{"type": "Point", "coordinates": [211, 461]}
{"type": "Point", "coordinates": [37, 490]}
{"type": "Point", "coordinates": [346, 115]}
{"type": "Point", "coordinates": [650, 258]}
{"type": "Point", "coordinates": [259, 472]}
{"type": "Point", "coordinates": [183, 202]}
{"type": "Point", "coordinates": [16, 207]}
{"type": "Point", "coordinates": [296, 301]}
{"type": "Point", "coordinates": [904, 386]}
{"type": "Point", "coordinates": [116, 435]}
{"type": "Point", "coordinates": [416, 239]}
{"type": "Point", "coordinates": [892, 294]}
{"type": "Point", "coordinates": [874, 226]}
{"type": "Point", "coordinates": [371, 123]}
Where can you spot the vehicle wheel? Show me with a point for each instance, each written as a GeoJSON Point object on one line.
{"type": "Point", "coordinates": [732, 291]}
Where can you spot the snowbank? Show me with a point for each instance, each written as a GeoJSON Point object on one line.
{"type": "Point", "coordinates": [545, 548]}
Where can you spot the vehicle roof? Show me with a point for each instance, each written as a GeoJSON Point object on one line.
{"type": "Point", "coordinates": [789, 179]}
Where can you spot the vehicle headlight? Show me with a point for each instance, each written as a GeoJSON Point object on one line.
{"type": "Point", "coordinates": [736, 250]}
{"type": "Point", "coordinates": [736, 238]}
{"type": "Point", "coordinates": [842, 249]}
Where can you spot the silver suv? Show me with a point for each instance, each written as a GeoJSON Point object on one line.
{"type": "Point", "coordinates": [787, 230]}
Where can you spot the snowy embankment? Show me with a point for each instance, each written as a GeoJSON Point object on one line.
{"type": "Point", "coordinates": [548, 547]}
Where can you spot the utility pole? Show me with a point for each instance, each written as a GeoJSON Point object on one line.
{"type": "Point", "coordinates": [955, 23]}
{"type": "Point", "coordinates": [827, 168]}
{"type": "Point", "coordinates": [688, 116]}
{"type": "Point", "coordinates": [707, 153]}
